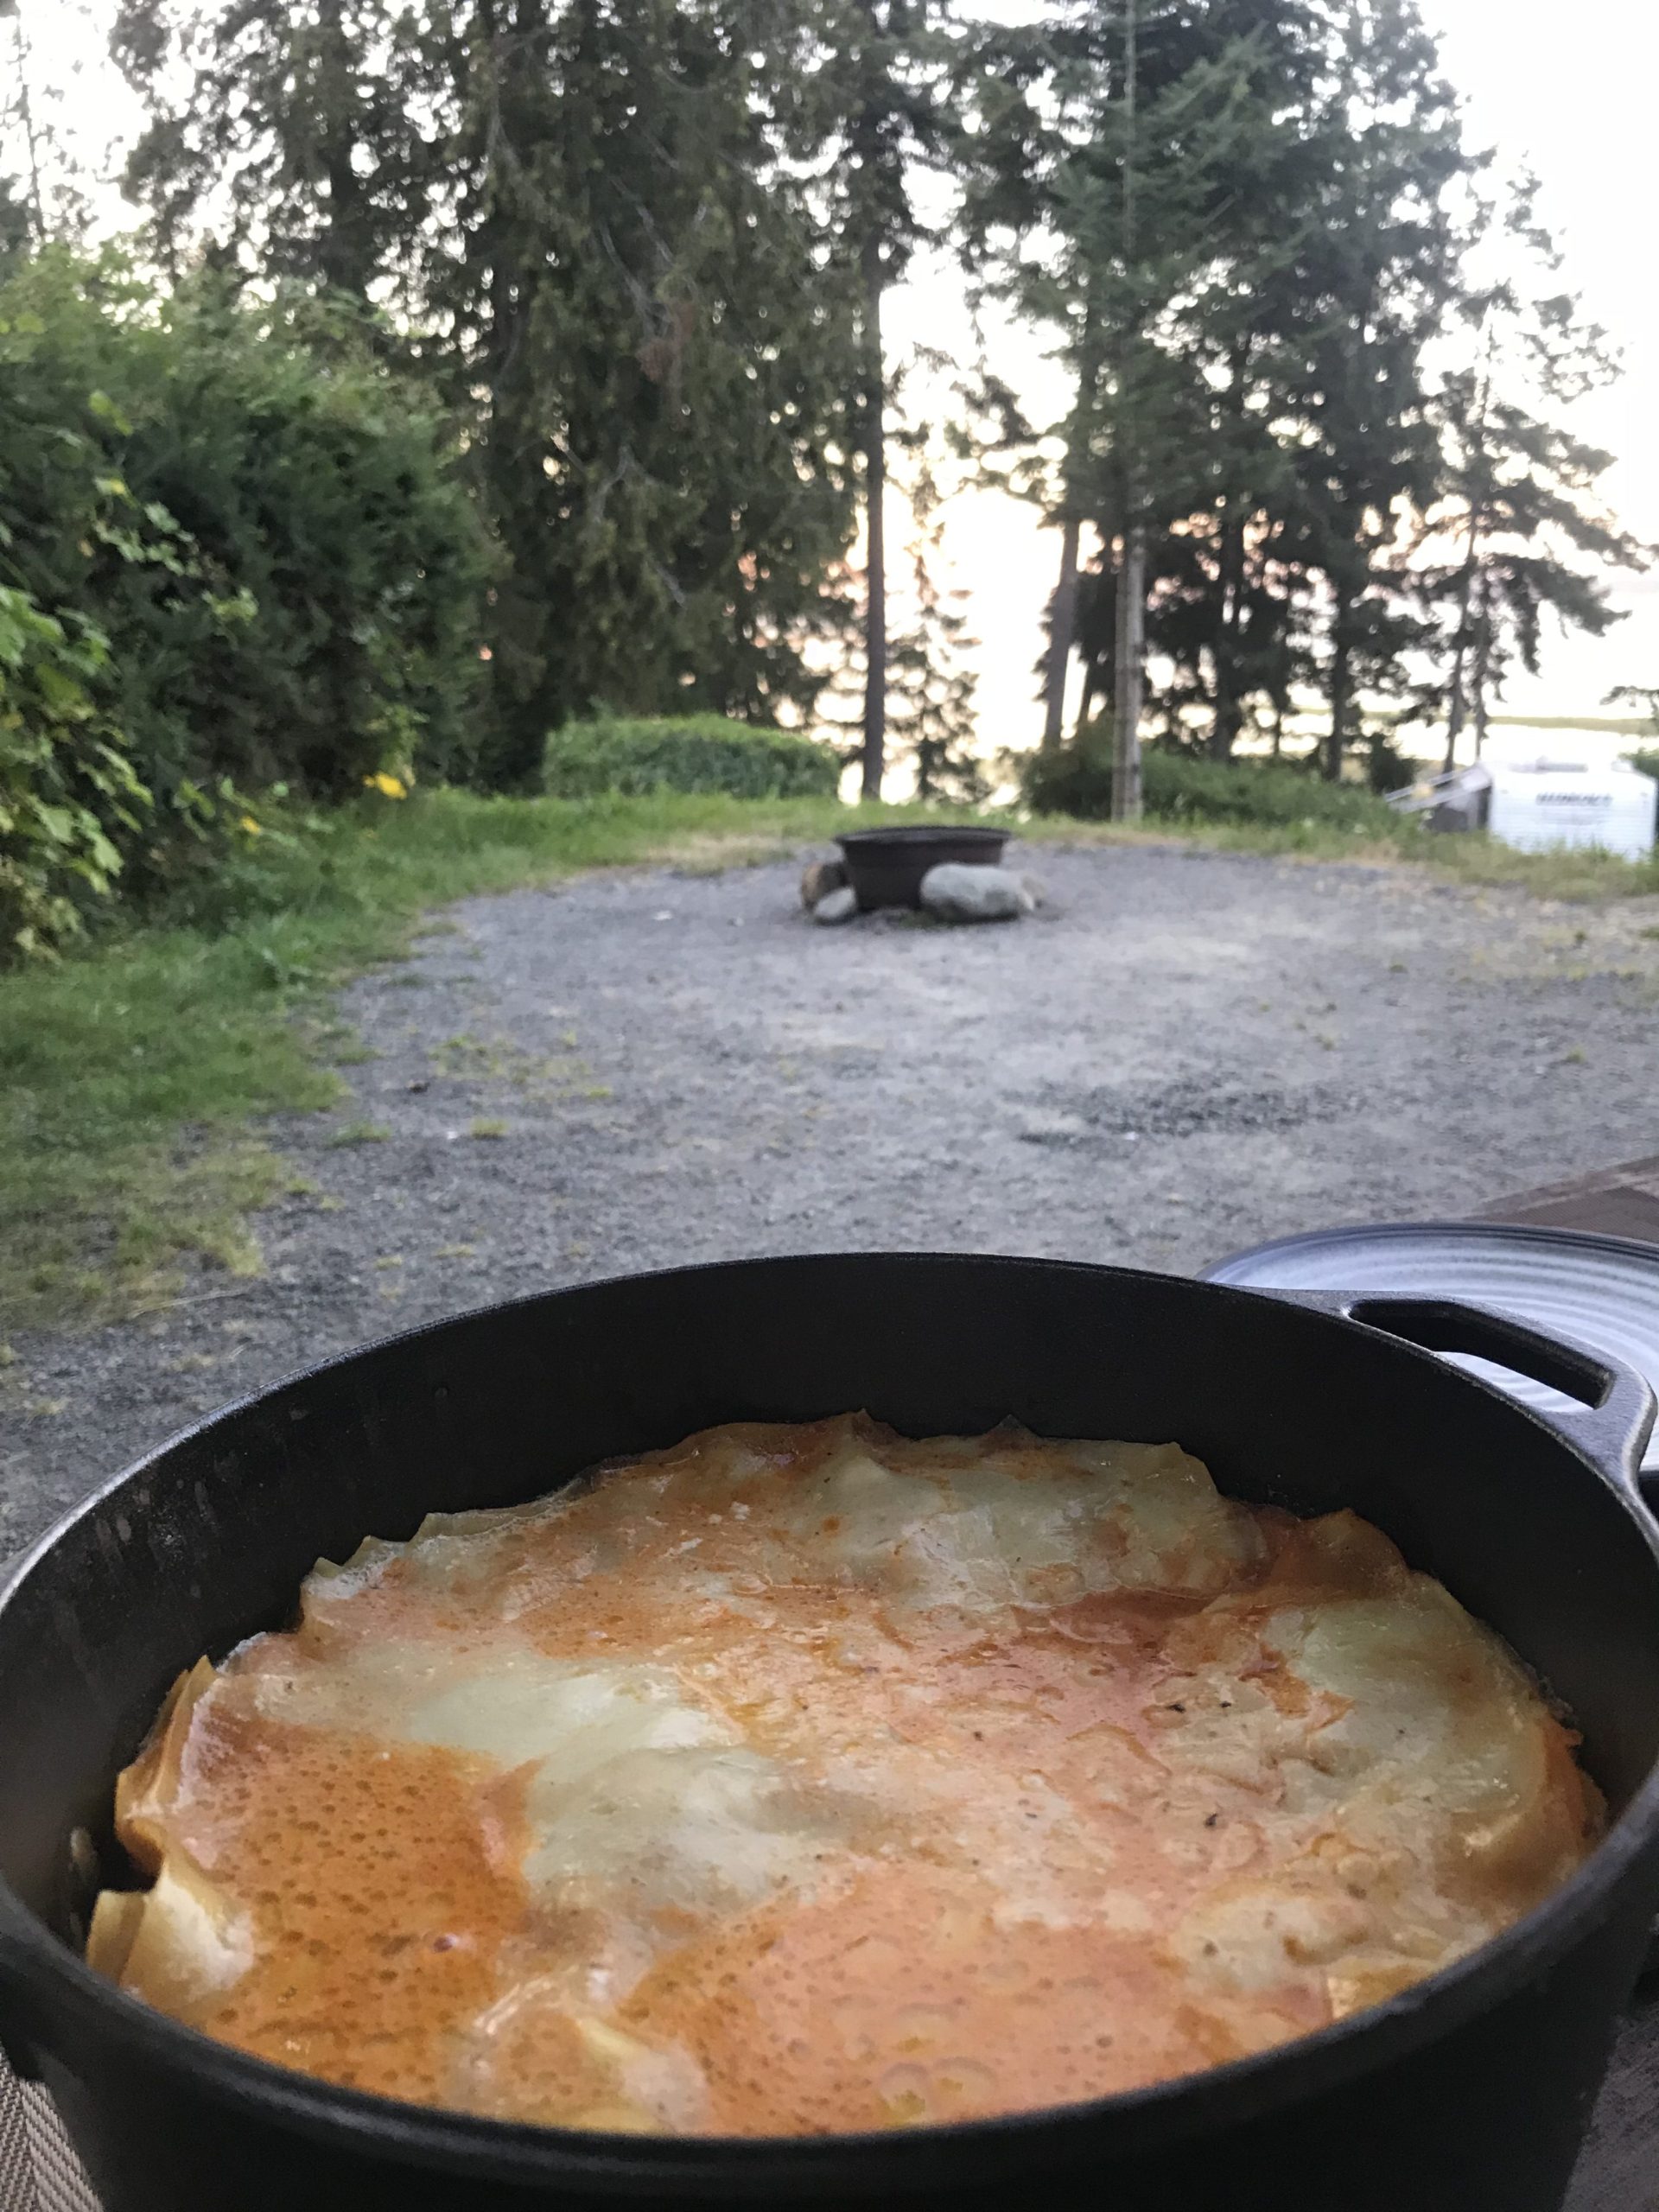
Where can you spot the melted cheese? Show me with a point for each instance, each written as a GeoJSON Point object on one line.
{"type": "Point", "coordinates": [812, 1778]}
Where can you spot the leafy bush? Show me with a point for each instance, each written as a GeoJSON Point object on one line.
{"type": "Point", "coordinates": [1078, 781]}
{"type": "Point", "coordinates": [1645, 760]}
{"type": "Point", "coordinates": [695, 753]}
{"type": "Point", "coordinates": [258, 525]}
{"type": "Point", "coordinates": [67, 791]}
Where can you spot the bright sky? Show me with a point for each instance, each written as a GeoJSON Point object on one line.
{"type": "Point", "coordinates": [1574, 100]}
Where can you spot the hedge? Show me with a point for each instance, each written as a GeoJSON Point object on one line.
{"type": "Point", "coordinates": [1078, 781]}
{"type": "Point", "coordinates": [235, 554]}
{"type": "Point", "coordinates": [693, 753]}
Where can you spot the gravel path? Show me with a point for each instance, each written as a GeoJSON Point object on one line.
{"type": "Point", "coordinates": [1181, 1053]}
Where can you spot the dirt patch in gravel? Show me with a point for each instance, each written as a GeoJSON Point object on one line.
{"type": "Point", "coordinates": [1182, 1054]}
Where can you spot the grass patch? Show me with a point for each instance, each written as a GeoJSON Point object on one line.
{"type": "Point", "coordinates": [1581, 877]}
{"type": "Point", "coordinates": [130, 1071]}
{"type": "Point", "coordinates": [126, 1080]}
{"type": "Point", "coordinates": [1273, 841]}
{"type": "Point", "coordinates": [487, 1130]}
{"type": "Point", "coordinates": [361, 1132]}
{"type": "Point", "coordinates": [1259, 806]}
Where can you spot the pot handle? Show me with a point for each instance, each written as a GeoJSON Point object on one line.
{"type": "Point", "coordinates": [1617, 1403]}
{"type": "Point", "coordinates": [14, 1983]}
{"type": "Point", "coordinates": [14, 2045]}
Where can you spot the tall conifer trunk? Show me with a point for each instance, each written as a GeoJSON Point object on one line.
{"type": "Point", "coordinates": [875, 485]}
{"type": "Point", "coordinates": [1063, 623]}
{"type": "Point", "coordinates": [1342, 682]}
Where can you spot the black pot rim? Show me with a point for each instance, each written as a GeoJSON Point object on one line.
{"type": "Point", "coordinates": [33, 1960]}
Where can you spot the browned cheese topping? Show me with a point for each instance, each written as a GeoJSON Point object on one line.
{"type": "Point", "coordinates": [804, 1779]}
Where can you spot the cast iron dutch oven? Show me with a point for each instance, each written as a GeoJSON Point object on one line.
{"type": "Point", "coordinates": [1467, 2093]}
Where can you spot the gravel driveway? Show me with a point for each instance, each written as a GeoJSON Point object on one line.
{"type": "Point", "coordinates": [1181, 1053]}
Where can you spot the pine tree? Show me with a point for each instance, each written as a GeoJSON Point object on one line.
{"type": "Point", "coordinates": [591, 222]}
{"type": "Point", "coordinates": [41, 181]}
{"type": "Point", "coordinates": [1517, 508]}
{"type": "Point", "coordinates": [880, 110]}
{"type": "Point", "coordinates": [1375, 275]}
{"type": "Point", "coordinates": [931, 690]}
{"type": "Point", "coordinates": [1151, 271]}
{"type": "Point", "coordinates": [288, 131]}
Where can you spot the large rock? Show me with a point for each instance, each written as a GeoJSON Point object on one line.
{"type": "Point", "coordinates": [838, 905]}
{"type": "Point", "coordinates": [956, 891]}
{"type": "Point", "coordinates": [819, 879]}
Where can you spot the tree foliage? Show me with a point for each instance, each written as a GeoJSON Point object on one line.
{"type": "Point", "coordinates": [1519, 531]}
{"type": "Point", "coordinates": [520, 361]}
{"type": "Point", "coordinates": [238, 556]}
{"type": "Point", "coordinates": [880, 111]}
{"type": "Point", "coordinates": [931, 688]}
{"type": "Point", "coordinates": [595, 222]}
{"type": "Point", "coordinates": [1275, 357]}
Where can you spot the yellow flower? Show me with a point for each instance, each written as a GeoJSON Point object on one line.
{"type": "Point", "coordinates": [252, 828]}
{"type": "Point", "coordinates": [392, 786]}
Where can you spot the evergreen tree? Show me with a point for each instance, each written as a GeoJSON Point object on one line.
{"type": "Point", "coordinates": [1154, 272]}
{"type": "Point", "coordinates": [634, 283]}
{"type": "Point", "coordinates": [282, 136]}
{"type": "Point", "coordinates": [1253, 382]}
{"type": "Point", "coordinates": [931, 690]}
{"type": "Point", "coordinates": [1518, 513]}
{"type": "Point", "coordinates": [17, 223]}
{"type": "Point", "coordinates": [1377, 276]}
{"type": "Point", "coordinates": [591, 219]}
{"type": "Point", "coordinates": [40, 177]}
{"type": "Point", "coordinates": [1287, 385]}
{"type": "Point", "coordinates": [643, 251]}
{"type": "Point", "coordinates": [879, 111]}
{"type": "Point", "coordinates": [1637, 695]}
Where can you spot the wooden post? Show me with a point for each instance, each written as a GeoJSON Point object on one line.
{"type": "Point", "coordinates": [1132, 570]}
{"type": "Point", "coordinates": [1131, 658]}
{"type": "Point", "coordinates": [875, 485]}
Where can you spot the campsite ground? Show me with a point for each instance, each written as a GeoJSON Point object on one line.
{"type": "Point", "coordinates": [1184, 1051]}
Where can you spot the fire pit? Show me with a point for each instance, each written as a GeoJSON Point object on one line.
{"type": "Point", "coordinates": [885, 867]}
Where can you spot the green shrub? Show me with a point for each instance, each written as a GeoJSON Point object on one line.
{"type": "Point", "coordinates": [695, 753]}
{"type": "Point", "coordinates": [260, 524]}
{"type": "Point", "coordinates": [1645, 760]}
{"type": "Point", "coordinates": [68, 796]}
{"type": "Point", "coordinates": [1078, 781]}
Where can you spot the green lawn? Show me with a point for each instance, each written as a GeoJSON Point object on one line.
{"type": "Point", "coordinates": [132, 1076]}
{"type": "Point", "coordinates": [1582, 877]}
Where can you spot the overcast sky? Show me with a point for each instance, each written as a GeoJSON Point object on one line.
{"type": "Point", "coordinates": [1569, 92]}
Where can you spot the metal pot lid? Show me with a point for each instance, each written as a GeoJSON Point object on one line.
{"type": "Point", "coordinates": [1602, 1290]}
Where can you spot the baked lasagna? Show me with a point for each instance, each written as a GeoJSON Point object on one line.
{"type": "Point", "coordinates": [812, 1778]}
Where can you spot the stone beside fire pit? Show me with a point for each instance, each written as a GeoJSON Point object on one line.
{"type": "Point", "coordinates": [819, 879]}
{"type": "Point", "coordinates": [839, 905]}
{"type": "Point", "coordinates": [956, 892]}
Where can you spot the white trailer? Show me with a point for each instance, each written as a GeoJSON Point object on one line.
{"type": "Point", "coordinates": [1537, 805]}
